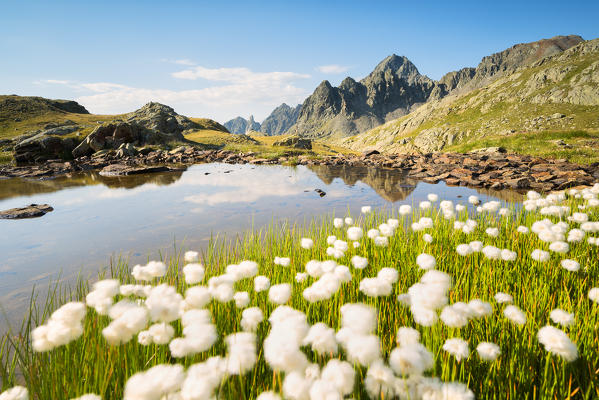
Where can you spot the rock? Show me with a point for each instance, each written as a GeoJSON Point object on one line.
{"type": "Point", "coordinates": [61, 130]}
{"type": "Point", "coordinates": [31, 211]}
{"type": "Point", "coordinates": [489, 150]}
{"type": "Point", "coordinates": [41, 147]}
{"type": "Point", "coordinates": [122, 169]}
{"type": "Point", "coordinates": [369, 153]}
{"type": "Point", "coordinates": [295, 142]}
{"type": "Point", "coordinates": [280, 120]}
{"type": "Point", "coordinates": [558, 116]}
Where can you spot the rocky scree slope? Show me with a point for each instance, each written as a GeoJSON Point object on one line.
{"type": "Point", "coordinates": [395, 88]}
{"type": "Point", "coordinates": [559, 93]}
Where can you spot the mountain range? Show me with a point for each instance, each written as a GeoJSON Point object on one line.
{"type": "Point", "coordinates": [277, 123]}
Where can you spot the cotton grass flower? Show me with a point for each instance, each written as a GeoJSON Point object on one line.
{"type": "Point", "coordinates": [359, 262]}
{"type": "Point", "coordinates": [479, 308]}
{"type": "Point", "coordinates": [455, 316]}
{"type": "Point", "coordinates": [493, 232]}
{"type": "Point", "coordinates": [427, 238]}
{"type": "Point", "coordinates": [426, 261]}
{"type": "Point", "coordinates": [557, 342]}
{"type": "Point", "coordinates": [199, 334]}
{"type": "Point", "coordinates": [269, 395]}
{"type": "Point", "coordinates": [476, 246]}
{"type": "Point", "coordinates": [194, 273]}
{"type": "Point", "coordinates": [540, 255]}
{"type": "Point", "coordinates": [457, 347]}
{"type": "Point", "coordinates": [242, 299]}
{"type": "Point", "coordinates": [155, 383]}
{"type": "Point", "coordinates": [414, 359]}
{"type": "Point", "coordinates": [64, 326]}
{"type": "Point", "coordinates": [425, 205]}
{"type": "Point", "coordinates": [164, 303]}
{"type": "Point", "coordinates": [474, 200]}
{"type": "Point", "coordinates": [196, 297]}
{"type": "Point", "coordinates": [491, 252]}
{"type": "Point", "coordinates": [89, 396]}
{"type": "Point", "coordinates": [355, 233]}
{"type": "Point", "coordinates": [191, 256]}
{"type": "Point", "coordinates": [241, 353]}
{"type": "Point", "coordinates": [101, 297]}
{"type": "Point", "coordinates": [508, 255]}
{"type": "Point", "coordinates": [341, 374]}
{"type": "Point", "coordinates": [15, 393]}
{"type": "Point", "coordinates": [261, 283]}
{"type": "Point", "coordinates": [561, 317]}
{"type": "Point", "coordinates": [338, 222]}
{"type": "Point", "coordinates": [559, 247]}
{"type": "Point", "coordinates": [501, 297]}
{"type": "Point", "coordinates": [366, 209]}
{"type": "Point", "coordinates": [321, 338]}
{"type": "Point", "coordinates": [250, 318]}
{"type": "Point", "coordinates": [570, 265]}
{"type": "Point", "coordinates": [380, 381]}
{"type": "Point", "coordinates": [594, 294]}
{"type": "Point", "coordinates": [523, 230]}
{"type": "Point", "coordinates": [282, 261]}
{"type": "Point", "coordinates": [279, 294]}
{"type": "Point", "coordinates": [463, 249]}
{"type": "Point", "coordinates": [373, 233]}
{"type": "Point", "coordinates": [153, 269]}
{"type": "Point", "coordinates": [301, 277]}
{"type": "Point", "coordinates": [349, 221]}
{"type": "Point", "coordinates": [488, 351]}
{"type": "Point", "coordinates": [306, 243]}
{"type": "Point", "coordinates": [515, 315]}
{"type": "Point", "coordinates": [381, 241]}
{"type": "Point", "coordinates": [405, 209]}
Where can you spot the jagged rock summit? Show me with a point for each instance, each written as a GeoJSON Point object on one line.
{"type": "Point", "coordinates": [280, 120]}
{"type": "Point", "coordinates": [241, 126]}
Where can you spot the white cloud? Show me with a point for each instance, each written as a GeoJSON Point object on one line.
{"type": "Point", "coordinates": [234, 91]}
{"type": "Point", "coordinates": [332, 69]}
{"type": "Point", "coordinates": [56, 81]}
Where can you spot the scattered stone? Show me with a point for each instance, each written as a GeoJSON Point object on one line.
{"type": "Point", "coordinates": [490, 150]}
{"type": "Point", "coordinates": [121, 169]}
{"type": "Point", "coordinates": [320, 192]}
{"type": "Point", "coordinates": [295, 142]}
{"type": "Point", "coordinates": [31, 211]}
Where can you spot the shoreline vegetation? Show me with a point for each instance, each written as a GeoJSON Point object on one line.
{"type": "Point", "coordinates": [449, 301]}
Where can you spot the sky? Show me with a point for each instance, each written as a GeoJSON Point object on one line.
{"type": "Point", "coordinates": [222, 59]}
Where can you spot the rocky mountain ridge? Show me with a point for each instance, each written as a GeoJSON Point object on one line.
{"type": "Point", "coordinates": [557, 92]}
{"type": "Point", "coordinates": [240, 125]}
{"type": "Point", "coordinates": [395, 88]}
{"type": "Point", "coordinates": [280, 120]}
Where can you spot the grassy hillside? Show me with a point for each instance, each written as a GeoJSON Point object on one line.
{"type": "Point", "coordinates": [528, 112]}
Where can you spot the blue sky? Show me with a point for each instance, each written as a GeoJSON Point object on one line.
{"type": "Point", "coordinates": [223, 59]}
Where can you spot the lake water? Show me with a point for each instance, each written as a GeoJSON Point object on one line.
{"type": "Point", "coordinates": [96, 218]}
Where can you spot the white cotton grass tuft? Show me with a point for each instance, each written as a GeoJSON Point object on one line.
{"type": "Point", "coordinates": [322, 339]}
{"type": "Point", "coordinates": [199, 334]}
{"type": "Point", "coordinates": [381, 241]}
{"type": "Point", "coordinates": [153, 269]}
{"type": "Point", "coordinates": [196, 297]}
{"type": "Point", "coordinates": [191, 256]}
{"type": "Point", "coordinates": [155, 383]}
{"type": "Point", "coordinates": [250, 318]}
{"type": "Point", "coordinates": [523, 230]}
{"type": "Point", "coordinates": [348, 221]}
{"type": "Point", "coordinates": [359, 262]}
{"type": "Point", "coordinates": [261, 283]}
{"type": "Point", "coordinates": [282, 261]}
{"type": "Point", "coordinates": [557, 342]}
{"type": "Point", "coordinates": [15, 393]}
{"type": "Point", "coordinates": [426, 261]}
{"type": "Point", "coordinates": [457, 347]}
{"type": "Point", "coordinates": [101, 297]}
{"type": "Point", "coordinates": [373, 233]}
{"type": "Point", "coordinates": [479, 308]}
{"type": "Point", "coordinates": [194, 273]}
{"type": "Point", "coordinates": [561, 317]}
{"type": "Point", "coordinates": [306, 243]}
{"type": "Point", "coordinates": [474, 200]}
{"type": "Point", "coordinates": [493, 232]}
{"type": "Point", "coordinates": [515, 315]}
{"type": "Point", "coordinates": [341, 374]}
{"type": "Point", "coordinates": [242, 299]}
{"type": "Point", "coordinates": [366, 209]}
{"type": "Point", "coordinates": [476, 246]}
{"type": "Point", "coordinates": [463, 249]}
{"type": "Point", "coordinates": [338, 222]}
{"type": "Point", "coordinates": [354, 233]}
{"type": "Point", "coordinates": [570, 265]}
{"type": "Point", "coordinates": [540, 255]}
{"type": "Point", "coordinates": [501, 297]}
{"type": "Point", "coordinates": [491, 252]}
{"type": "Point", "coordinates": [241, 353]}
{"type": "Point", "coordinates": [413, 359]}
{"type": "Point", "coordinates": [594, 294]}
{"type": "Point", "coordinates": [405, 209]}
{"type": "Point", "coordinates": [559, 247]}
{"type": "Point", "coordinates": [488, 351]}
{"type": "Point", "coordinates": [268, 395]}
{"type": "Point", "coordinates": [64, 326]}
{"type": "Point", "coordinates": [428, 238]}
{"type": "Point", "coordinates": [88, 396]}
{"type": "Point", "coordinates": [432, 197]}
{"type": "Point", "coordinates": [301, 277]}
{"type": "Point", "coordinates": [407, 336]}
{"type": "Point", "coordinates": [279, 294]}
{"type": "Point", "coordinates": [425, 205]}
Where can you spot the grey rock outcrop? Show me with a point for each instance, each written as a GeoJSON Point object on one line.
{"type": "Point", "coordinates": [42, 147]}
{"type": "Point", "coordinates": [30, 211]}
{"type": "Point", "coordinates": [280, 120]}
{"type": "Point", "coordinates": [390, 91]}
{"type": "Point", "coordinates": [154, 123]}
{"type": "Point", "coordinates": [296, 142]}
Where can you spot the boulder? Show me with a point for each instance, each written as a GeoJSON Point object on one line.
{"type": "Point", "coordinates": [490, 150]}
{"type": "Point", "coordinates": [122, 169]}
{"type": "Point", "coordinates": [295, 142]}
{"type": "Point", "coordinates": [30, 211]}
{"type": "Point", "coordinates": [41, 147]}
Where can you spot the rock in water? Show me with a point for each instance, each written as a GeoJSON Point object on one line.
{"type": "Point", "coordinates": [31, 211]}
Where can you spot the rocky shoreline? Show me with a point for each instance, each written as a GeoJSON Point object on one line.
{"type": "Point", "coordinates": [492, 170]}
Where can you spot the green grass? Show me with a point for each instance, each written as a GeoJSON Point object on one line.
{"type": "Point", "coordinates": [584, 145]}
{"type": "Point", "coordinates": [524, 370]}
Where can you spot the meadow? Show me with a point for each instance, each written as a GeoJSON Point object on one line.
{"type": "Point", "coordinates": [431, 301]}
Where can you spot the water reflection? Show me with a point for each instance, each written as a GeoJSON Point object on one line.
{"type": "Point", "coordinates": [141, 216]}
